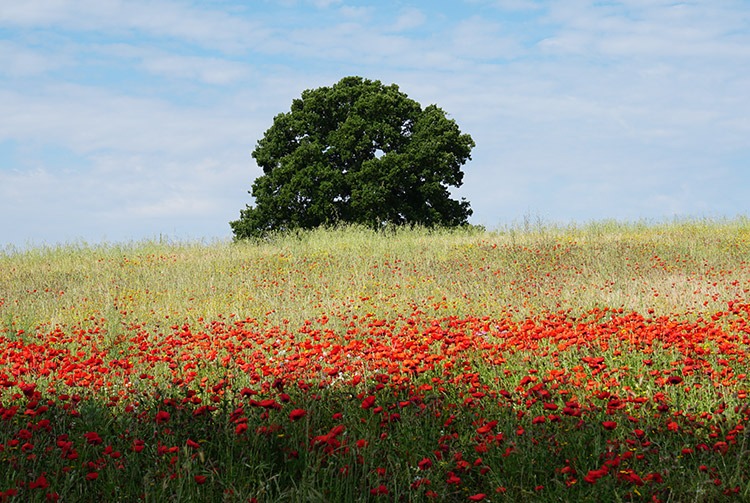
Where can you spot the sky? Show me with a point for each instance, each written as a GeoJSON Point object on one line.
{"type": "Point", "coordinates": [130, 120]}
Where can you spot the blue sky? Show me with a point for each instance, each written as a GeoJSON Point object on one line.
{"type": "Point", "coordinates": [125, 120]}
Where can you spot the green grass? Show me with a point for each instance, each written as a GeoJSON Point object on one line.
{"type": "Point", "coordinates": [449, 330]}
{"type": "Point", "coordinates": [681, 267]}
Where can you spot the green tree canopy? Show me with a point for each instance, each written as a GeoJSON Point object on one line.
{"type": "Point", "coordinates": [357, 152]}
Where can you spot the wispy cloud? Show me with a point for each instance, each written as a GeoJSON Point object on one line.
{"type": "Point", "coordinates": [159, 18]}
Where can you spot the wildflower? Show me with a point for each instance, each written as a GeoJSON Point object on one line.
{"type": "Point", "coordinates": [92, 438]}
{"type": "Point", "coordinates": [92, 475]}
{"type": "Point", "coordinates": [609, 425]}
{"type": "Point", "coordinates": [297, 414]}
{"type": "Point", "coordinates": [40, 483]}
{"type": "Point", "coordinates": [453, 479]}
{"type": "Point", "coordinates": [721, 447]}
{"type": "Point", "coordinates": [595, 475]}
{"type": "Point", "coordinates": [381, 489]}
{"type": "Point", "coordinates": [368, 402]}
{"type": "Point", "coordinates": [477, 497]}
{"type": "Point", "coordinates": [162, 417]}
{"type": "Point", "coordinates": [269, 403]}
{"type": "Point", "coordinates": [200, 479]}
{"type": "Point", "coordinates": [486, 428]}
{"type": "Point", "coordinates": [425, 464]}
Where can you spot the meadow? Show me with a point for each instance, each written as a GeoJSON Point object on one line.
{"type": "Point", "coordinates": [599, 362]}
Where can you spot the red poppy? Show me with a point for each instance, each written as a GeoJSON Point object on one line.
{"type": "Point", "coordinates": [425, 464]}
{"type": "Point", "coordinates": [297, 414]}
{"type": "Point", "coordinates": [486, 428]}
{"type": "Point", "coordinates": [40, 483]}
{"type": "Point", "coordinates": [381, 489]}
{"type": "Point", "coordinates": [92, 438]}
{"type": "Point", "coordinates": [609, 425]}
{"type": "Point", "coordinates": [368, 402]}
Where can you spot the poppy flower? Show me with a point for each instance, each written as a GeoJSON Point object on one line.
{"type": "Point", "coordinates": [368, 402]}
{"type": "Point", "coordinates": [40, 483]}
{"type": "Point", "coordinates": [92, 438]}
{"type": "Point", "coordinates": [297, 414]}
{"type": "Point", "coordinates": [609, 425]}
{"type": "Point", "coordinates": [425, 464]}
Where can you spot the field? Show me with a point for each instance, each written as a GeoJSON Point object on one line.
{"type": "Point", "coordinates": [604, 362]}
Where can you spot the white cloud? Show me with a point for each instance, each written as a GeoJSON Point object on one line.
{"type": "Point", "coordinates": [21, 61]}
{"type": "Point", "coordinates": [160, 18]}
{"type": "Point", "coordinates": [322, 4]}
{"type": "Point", "coordinates": [517, 4]}
{"type": "Point", "coordinates": [209, 70]}
{"type": "Point", "coordinates": [477, 39]}
{"type": "Point", "coordinates": [408, 19]}
{"type": "Point", "coordinates": [87, 120]}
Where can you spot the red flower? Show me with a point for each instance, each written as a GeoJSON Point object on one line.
{"type": "Point", "coordinates": [162, 417]}
{"type": "Point", "coordinates": [595, 475]}
{"type": "Point", "coordinates": [425, 464]}
{"type": "Point", "coordinates": [241, 428]}
{"type": "Point", "coordinates": [40, 483]}
{"type": "Point", "coordinates": [193, 444]}
{"type": "Point", "coordinates": [297, 414]}
{"type": "Point", "coordinates": [92, 438]}
{"type": "Point", "coordinates": [609, 425]}
{"type": "Point", "coordinates": [92, 476]}
{"type": "Point", "coordinates": [269, 403]}
{"type": "Point", "coordinates": [381, 489]}
{"type": "Point", "coordinates": [486, 428]}
{"type": "Point", "coordinates": [368, 402]}
{"type": "Point", "coordinates": [477, 497]}
{"type": "Point", "coordinates": [200, 479]}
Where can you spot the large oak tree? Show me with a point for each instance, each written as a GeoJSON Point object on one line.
{"type": "Point", "coordinates": [357, 152]}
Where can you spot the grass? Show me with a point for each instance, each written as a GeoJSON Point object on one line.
{"type": "Point", "coordinates": [679, 267]}
{"type": "Point", "coordinates": [496, 358]}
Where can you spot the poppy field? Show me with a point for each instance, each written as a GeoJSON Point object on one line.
{"type": "Point", "coordinates": [607, 362]}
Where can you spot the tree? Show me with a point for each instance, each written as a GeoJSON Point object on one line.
{"type": "Point", "coordinates": [357, 152]}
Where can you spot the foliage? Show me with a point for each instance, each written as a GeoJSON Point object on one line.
{"type": "Point", "coordinates": [357, 152]}
{"type": "Point", "coordinates": [600, 363]}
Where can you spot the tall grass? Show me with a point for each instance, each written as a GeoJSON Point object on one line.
{"type": "Point", "coordinates": [677, 267]}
